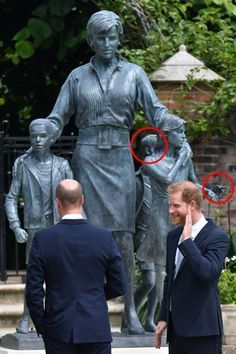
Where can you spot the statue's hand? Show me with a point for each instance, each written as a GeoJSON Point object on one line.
{"type": "Point", "coordinates": [187, 151]}
{"type": "Point", "coordinates": [212, 195]}
{"type": "Point", "coordinates": [20, 235]}
{"type": "Point", "coordinates": [219, 190]}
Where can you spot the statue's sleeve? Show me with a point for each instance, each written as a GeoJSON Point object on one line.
{"type": "Point", "coordinates": [192, 176]}
{"type": "Point", "coordinates": [158, 171]}
{"type": "Point", "coordinates": [11, 201]}
{"type": "Point", "coordinates": [147, 99]}
{"type": "Point", "coordinates": [68, 171]}
{"type": "Point", "coordinates": [64, 107]}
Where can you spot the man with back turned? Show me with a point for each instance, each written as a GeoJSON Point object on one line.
{"type": "Point", "coordinates": [82, 268]}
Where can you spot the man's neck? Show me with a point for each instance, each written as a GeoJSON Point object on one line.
{"type": "Point", "coordinates": [197, 215]}
{"type": "Point", "coordinates": [71, 212]}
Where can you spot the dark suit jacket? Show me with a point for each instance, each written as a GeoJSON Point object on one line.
{"type": "Point", "coordinates": [194, 296]}
{"type": "Point", "coordinates": [73, 258]}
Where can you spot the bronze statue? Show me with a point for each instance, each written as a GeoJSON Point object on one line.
{"type": "Point", "coordinates": [172, 168]}
{"type": "Point", "coordinates": [35, 176]}
{"type": "Point", "coordinates": [102, 96]}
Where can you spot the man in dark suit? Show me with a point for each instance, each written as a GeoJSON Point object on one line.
{"type": "Point", "coordinates": [195, 256]}
{"type": "Point", "coordinates": [82, 268]}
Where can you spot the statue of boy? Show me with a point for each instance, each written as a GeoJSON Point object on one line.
{"type": "Point", "coordinates": [34, 178]}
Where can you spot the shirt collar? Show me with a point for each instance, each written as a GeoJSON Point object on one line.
{"type": "Point", "coordinates": [72, 216]}
{"type": "Point", "coordinates": [119, 62]}
{"type": "Point", "coordinates": [196, 228]}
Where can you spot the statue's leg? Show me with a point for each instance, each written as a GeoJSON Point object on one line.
{"type": "Point", "coordinates": [130, 321]}
{"type": "Point", "coordinates": [151, 310]}
{"type": "Point", "coordinates": [148, 281]}
{"type": "Point", "coordinates": [147, 289]}
{"type": "Point", "coordinates": [23, 326]}
{"type": "Point", "coordinates": [144, 288]}
{"type": "Point", "coordinates": [160, 277]}
{"type": "Point", "coordinates": [24, 322]}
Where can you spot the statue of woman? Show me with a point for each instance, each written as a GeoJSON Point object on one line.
{"type": "Point", "coordinates": [102, 96]}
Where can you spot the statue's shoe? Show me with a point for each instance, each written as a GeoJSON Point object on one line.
{"type": "Point", "coordinates": [136, 330]}
{"type": "Point", "coordinates": [132, 326]}
{"type": "Point", "coordinates": [23, 326]}
{"type": "Point", "coordinates": [150, 327]}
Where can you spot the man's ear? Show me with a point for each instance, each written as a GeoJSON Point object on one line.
{"type": "Point", "coordinates": [82, 200]}
{"type": "Point", "coordinates": [193, 204]}
{"type": "Point", "coordinates": [58, 204]}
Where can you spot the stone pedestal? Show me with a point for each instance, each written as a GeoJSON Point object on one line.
{"type": "Point", "coordinates": [229, 322]}
{"type": "Point", "coordinates": [122, 340]}
{"type": "Point", "coordinates": [18, 341]}
{"type": "Point", "coordinates": [31, 341]}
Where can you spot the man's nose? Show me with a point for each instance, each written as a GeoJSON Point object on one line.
{"type": "Point", "coordinates": [106, 42]}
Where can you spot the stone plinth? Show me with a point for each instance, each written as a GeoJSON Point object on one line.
{"type": "Point", "coordinates": [229, 321]}
{"type": "Point", "coordinates": [18, 341]}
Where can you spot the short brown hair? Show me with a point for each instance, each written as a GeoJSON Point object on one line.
{"type": "Point", "coordinates": [189, 191]}
{"type": "Point", "coordinates": [69, 192]}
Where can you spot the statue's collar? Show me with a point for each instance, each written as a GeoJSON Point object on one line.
{"type": "Point", "coordinates": [119, 64]}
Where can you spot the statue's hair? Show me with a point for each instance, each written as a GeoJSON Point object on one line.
{"type": "Point", "coordinates": [46, 123]}
{"type": "Point", "coordinates": [149, 141]}
{"type": "Point", "coordinates": [189, 191]}
{"type": "Point", "coordinates": [171, 122]}
{"type": "Point", "coordinates": [70, 193]}
{"type": "Point", "coordinates": [103, 21]}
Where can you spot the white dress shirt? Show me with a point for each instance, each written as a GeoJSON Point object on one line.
{"type": "Point", "coordinates": [72, 216]}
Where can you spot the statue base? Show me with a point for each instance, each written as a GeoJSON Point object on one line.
{"type": "Point", "coordinates": [31, 341]}
{"type": "Point", "coordinates": [20, 341]}
{"type": "Point", "coordinates": [123, 340]}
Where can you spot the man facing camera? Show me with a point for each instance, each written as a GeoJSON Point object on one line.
{"type": "Point", "coordinates": [82, 268]}
{"type": "Point", "coordinates": [195, 256]}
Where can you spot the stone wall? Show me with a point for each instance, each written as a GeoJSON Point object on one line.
{"type": "Point", "coordinates": [217, 155]}
{"type": "Point", "coordinates": [177, 96]}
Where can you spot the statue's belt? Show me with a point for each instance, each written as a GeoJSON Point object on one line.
{"type": "Point", "coordinates": [103, 138]}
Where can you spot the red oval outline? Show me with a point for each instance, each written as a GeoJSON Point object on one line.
{"type": "Point", "coordinates": [224, 174]}
{"type": "Point", "coordinates": [158, 132]}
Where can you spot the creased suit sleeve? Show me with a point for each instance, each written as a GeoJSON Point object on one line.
{"type": "Point", "coordinates": [115, 277]}
{"type": "Point", "coordinates": [209, 264]}
{"type": "Point", "coordinates": [34, 287]}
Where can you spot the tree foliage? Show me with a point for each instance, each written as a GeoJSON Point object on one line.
{"type": "Point", "coordinates": [42, 42]}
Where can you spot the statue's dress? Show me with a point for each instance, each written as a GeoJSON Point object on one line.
{"type": "Point", "coordinates": [102, 161]}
